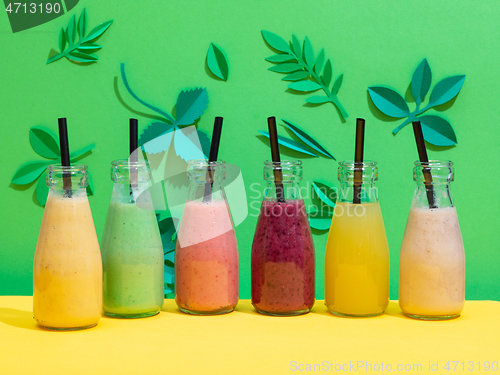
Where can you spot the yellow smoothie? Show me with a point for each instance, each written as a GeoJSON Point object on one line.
{"type": "Point", "coordinates": [432, 264]}
{"type": "Point", "coordinates": [357, 261]}
{"type": "Point", "coordinates": [67, 272]}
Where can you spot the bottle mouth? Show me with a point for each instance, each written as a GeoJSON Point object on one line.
{"type": "Point", "coordinates": [434, 163]}
{"type": "Point", "coordinates": [127, 164]}
{"type": "Point", "coordinates": [353, 164]}
{"type": "Point", "coordinates": [68, 169]}
{"type": "Point", "coordinates": [283, 163]}
{"type": "Point", "coordinates": [204, 163]}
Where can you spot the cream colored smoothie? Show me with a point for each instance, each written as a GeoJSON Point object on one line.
{"type": "Point", "coordinates": [432, 264]}
{"type": "Point", "coordinates": [67, 271]}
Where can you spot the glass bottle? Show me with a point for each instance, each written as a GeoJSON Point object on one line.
{"type": "Point", "coordinates": [206, 254]}
{"type": "Point", "coordinates": [67, 271]}
{"type": "Point", "coordinates": [357, 252]}
{"type": "Point", "coordinates": [132, 252]}
{"type": "Point", "coordinates": [283, 264]}
{"type": "Point", "coordinates": [432, 258]}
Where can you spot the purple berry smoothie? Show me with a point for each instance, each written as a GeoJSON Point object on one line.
{"type": "Point", "coordinates": [283, 259]}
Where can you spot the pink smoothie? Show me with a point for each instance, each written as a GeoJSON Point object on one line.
{"type": "Point", "coordinates": [206, 259]}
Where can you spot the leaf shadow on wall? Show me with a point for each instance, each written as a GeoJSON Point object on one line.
{"type": "Point", "coordinates": [26, 187]}
{"type": "Point", "coordinates": [314, 105]}
{"type": "Point", "coordinates": [19, 318]}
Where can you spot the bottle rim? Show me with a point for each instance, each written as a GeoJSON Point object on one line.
{"type": "Point", "coordinates": [204, 163]}
{"type": "Point", "coordinates": [127, 163]}
{"type": "Point", "coordinates": [352, 163]}
{"type": "Point", "coordinates": [434, 163]}
{"type": "Point", "coordinates": [71, 168]}
{"type": "Point", "coordinates": [283, 163]}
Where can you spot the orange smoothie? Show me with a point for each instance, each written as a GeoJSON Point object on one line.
{"type": "Point", "coordinates": [67, 272]}
{"type": "Point", "coordinates": [206, 259]}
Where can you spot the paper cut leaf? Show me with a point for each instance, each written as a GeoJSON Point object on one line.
{"type": "Point", "coordinates": [41, 191]}
{"type": "Point", "coordinates": [282, 57]}
{"type": "Point", "coordinates": [191, 104]}
{"type": "Point", "coordinates": [308, 140]}
{"type": "Point", "coordinates": [29, 172]}
{"type": "Point", "coordinates": [74, 49]}
{"type": "Point", "coordinates": [89, 46]}
{"type": "Point", "coordinates": [320, 220]}
{"type": "Point", "coordinates": [155, 129]}
{"type": "Point", "coordinates": [327, 73]}
{"type": "Point", "coordinates": [160, 143]}
{"type": "Point", "coordinates": [421, 81]}
{"type": "Point", "coordinates": [76, 154]}
{"type": "Point", "coordinates": [389, 102]}
{"type": "Point", "coordinates": [291, 144]}
{"type": "Point", "coordinates": [285, 68]}
{"type": "Point", "coordinates": [204, 142]}
{"type": "Point", "coordinates": [318, 99]}
{"type": "Point", "coordinates": [446, 90]}
{"type": "Point", "coordinates": [308, 52]}
{"type": "Point", "coordinates": [43, 143]}
{"type": "Point", "coordinates": [297, 76]}
{"type": "Point", "coordinates": [337, 84]}
{"type": "Point", "coordinates": [320, 61]}
{"type": "Point", "coordinates": [325, 193]}
{"type": "Point", "coordinates": [275, 41]}
{"type": "Point", "coordinates": [217, 62]}
{"type": "Point", "coordinates": [185, 147]}
{"type": "Point", "coordinates": [304, 86]}
{"type": "Point", "coordinates": [296, 46]}
{"type": "Point", "coordinates": [437, 131]}
{"type": "Point", "coordinates": [90, 186]}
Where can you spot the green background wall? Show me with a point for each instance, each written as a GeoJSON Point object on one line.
{"type": "Point", "coordinates": [164, 46]}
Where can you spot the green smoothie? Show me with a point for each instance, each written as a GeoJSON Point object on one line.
{"type": "Point", "coordinates": [132, 255]}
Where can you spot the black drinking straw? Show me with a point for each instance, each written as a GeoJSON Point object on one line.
{"type": "Point", "coordinates": [134, 145]}
{"type": "Point", "coordinates": [64, 145]}
{"type": "Point", "coordinates": [214, 151]}
{"type": "Point", "coordinates": [275, 154]}
{"type": "Point", "coordinates": [422, 154]}
{"type": "Point", "coordinates": [358, 160]}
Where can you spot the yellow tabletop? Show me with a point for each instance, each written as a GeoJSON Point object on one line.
{"type": "Point", "coordinates": [244, 342]}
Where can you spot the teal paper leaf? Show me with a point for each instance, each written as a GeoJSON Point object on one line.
{"type": "Point", "coordinates": [389, 102]}
{"type": "Point", "coordinates": [71, 32]}
{"type": "Point", "coordinates": [97, 31]}
{"type": "Point", "coordinates": [421, 81]}
{"type": "Point", "coordinates": [320, 220]}
{"type": "Point", "coordinates": [76, 154]}
{"type": "Point", "coordinates": [320, 61]}
{"type": "Point", "coordinates": [82, 23]}
{"type": "Point", "coordinates": [304, 86]}
{"type": "Point", "coordinates": [446, 90]}
{"type": "Point", "coordinates": [291, 144]}
{"type": "Point", "coordinates": [157, 110]}
{"type": "Point", "coordinates": [296, 76]}
{"type": "Point", "coordinates": [62, 40]}
{"type": "Point", "coordinates": [337, 84]}
{"type": "Point", "coordinates": [204, 142]}
{"type": "Point", "coordinates": [29, 172]}
{"type": "Point", "coordinates": [296, 46]}
{"type": "Point", "coordinates": [437, 131]}
{"type": "Point", "coordinates": [191, 104]}
{"type": "Point", "coordinates": [325, 193]}
{"type": "Point", "coordinates": [161, 142]}
{"type": "Point", "coordinates": [153, 130]}
{"type": "Point", "coordinates": [43, 143]}
{"type": "Point", "coordinates": [327, 73]}
{"type": "Point", "coordinates": [185, 146]}
{"type": "Point", "coordinates": [276, 41]}
{"type": "Point", "coordinates": [41, 191]}
{"type": "Point", "coordinates": [82, 57]}
{"type": "Point", "coordinates": [308, 52]}
{"type": "Point", "coordinates": [285, 68]}
{"type": "Point", "coordinates": [217, 62]}
{"type": "Point", "coordinates": [307, 139]}
{"type": "Point", "coordinates": [281, 57]}
{"type": "Point", "coordinates": [318, 99]}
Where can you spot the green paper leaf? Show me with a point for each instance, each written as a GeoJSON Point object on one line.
{"type": "Point", "coordinates": [281, 57]}
{"type": "Point", "coordinates": [296, 76]}
{"type": "Point", "coordinates": [88, 47]}
{"type": "Point", "coordinates": [157, 110]}
{"type": "Point", "coordinates": [81, 57]}
{"type": "Point", "coordinates": [437, 131]}
{"type": "Point", "coordinates": [186, 145]}
{"type": "Point", "coordinates": [98, 31]}
{"type": "Point", "coordinates": [320, 220]}
{"type": "Point", "coordinates": [446, 90]}
{"type": "Point", "coordinates": [389, 102]}
{"type": "Point", "coordinates": [169, 263]}
{"type": "Point", "coordinates": [296, 46]}
{"type": "Point", "coordinates": [29, 172]}
{"type": "Point", "coordinates": [289, 143]}
{"type": "Point", "coordinates": [304, 86]}
{"type": "Point", "coordinates": [76, 154]}
{"type": "Point", "coordinates": [71, 31]}
{"type": "Point", "coordinates": [217, 62]}
{"type": "Point", "coordinates": [319, 61]}
{"type": "Point", "coordinates": [161, 142]}
{"type": "Point", "coordinates": [337, 84]}
{"type": "Point", "coordinates": [191, 104]}
{"type": "Point", "coordinates": [421, 81]}
{"type": "Point", "coordinates": [153, 131]}
{"type": "Point", "coordinates": [308, 53]}
{"type": "Point", "coordinates": [41, 191]}
{"type": "Point", "coordinates": [62, 40]}
{"type": "Point", "coordinates": [90, 186]}
{"type": "Point", "coordinates": [307, 139]}
{"type": "Point", "coordinates": [318, 99]}
{"type": "Point", "coordinates": [82, 23]}
{"type": "Point", "coordinates": [325, 193]}
{"type": "Point", "coordinates": [43, 143]}
{"type": "Point", "coordinates": [276, 41]}
{"type": "Point", "coordinates": [285, 68]}
{"type": "Point", "coordinates": [327, 73]}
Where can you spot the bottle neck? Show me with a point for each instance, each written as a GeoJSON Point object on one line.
{"type": "Point", "coordinates": [131, 182]}
{"type": "Point", "coordinates": [433, 181]}
{"type": "Point", "coordinates": [206, 181]}
{"type": "Point", "coordinates": [282, 180]}
{"type": "Point", "coordinates": [357, 182]}
{"type": "Point", "coordinates": [67, 181]}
